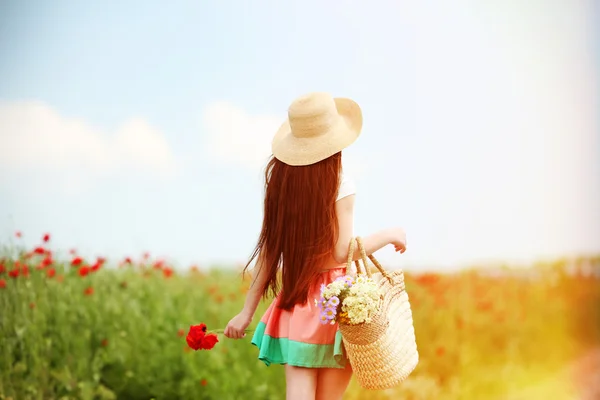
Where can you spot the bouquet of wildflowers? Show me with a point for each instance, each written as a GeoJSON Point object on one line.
{"type": "Point", "coordinates": [349, 300]}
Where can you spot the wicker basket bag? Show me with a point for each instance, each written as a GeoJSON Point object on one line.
{"type": "Point", "coordinates": [383, 352]}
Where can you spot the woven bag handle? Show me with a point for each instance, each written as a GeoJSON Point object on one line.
{"type": "Point", "coordinates": [351, 248]}
{"type": "Point", "coordinates": [373, 259]}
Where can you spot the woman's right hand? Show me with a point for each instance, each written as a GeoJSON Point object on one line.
{"type": "Point", "coordinates": [398, 239]}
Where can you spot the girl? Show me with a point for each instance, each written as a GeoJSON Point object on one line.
{"type": "Point", "coordinates": [307, 227]}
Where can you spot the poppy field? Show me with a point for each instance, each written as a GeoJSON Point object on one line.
{"type": "Point", "coordinates": [77, 328]}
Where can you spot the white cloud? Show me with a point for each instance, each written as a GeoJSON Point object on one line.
{"type": "Point", "coordinates": [36, 138]}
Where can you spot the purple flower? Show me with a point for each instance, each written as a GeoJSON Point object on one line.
{"type": "Point", "coordinates": [323, 318]}
{"type": "Point", "coordinates": [333, 302]}
{"type": "Point", "coordinates": [329, 313]}
{"type": "Point", "coordinates": [321, 302]}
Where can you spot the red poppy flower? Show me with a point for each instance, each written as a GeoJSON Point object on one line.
{"type": "Point", "coordinates": [25, 270]}
{"type": "Point", "coordinates": [203, 382]}
{"type": "Point", "coordinates": [104, 342]}
{"type": "Point", "coordinates": [14, 273]}
{"type": "Point", "coordinates": [95, 267]}
{"type": "Point", "coordinates": [31, 305]}
{"type": "Point", "coordinates": [2, 283]}
{"type": "Point", "coordinates": [2, 268]}
{"type": "Point", "coordinates": [47, 261]}
{"type": "Point", "coordinates": [51, 272]}
{"type": "Point", "coordinates": [88, 291]}
{"type": "Point", "coordinates": [76, 261]}
{"type": "Point", "coordinates": [18, 234]}
{"type": "Point", "coordinates": [197, 338]}
{"type": "Point", "coordinates": [440, 351]}
{"type": "Point", "coordinates": [83, 271]}
{"type": "Point", "coordinates": [39, 250]}
{"type": "Point", "coordinates": [46, 237]}
{"type": "Point", "coordinates": [180, 332]}
{"type": "Point", "coordinates": [167, 272]}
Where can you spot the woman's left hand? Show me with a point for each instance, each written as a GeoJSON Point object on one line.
{"type": "Point", "coordinates": [236, 327]}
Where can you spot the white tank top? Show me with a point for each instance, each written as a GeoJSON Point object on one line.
{"type": "Point", "coordinates": [347, 187]}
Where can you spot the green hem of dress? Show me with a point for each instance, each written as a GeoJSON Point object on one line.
{"type": "Point", "coordinates": [285, 351]}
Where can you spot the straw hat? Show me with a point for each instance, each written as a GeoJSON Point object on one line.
{"type": "Point", "coordinates": [318, 126]}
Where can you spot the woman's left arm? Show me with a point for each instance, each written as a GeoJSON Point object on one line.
{"type": "Point", "coordinates": [238, 324]}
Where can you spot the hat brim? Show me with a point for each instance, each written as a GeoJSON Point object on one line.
{"type": "Point", "coordinates": [296, 151]}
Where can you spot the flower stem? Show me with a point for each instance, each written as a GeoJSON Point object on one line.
{"type": "Point", "coordinates": [223, 330]}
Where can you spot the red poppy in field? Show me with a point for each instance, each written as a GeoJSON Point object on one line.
{"type": "Point", "coordinates": [167, 272]}
{"type": "Point", "coordinates": [76, 261]}
{"type": "Point", "coordinates": [2, 283]}
{"type": "Point", "coordinates": [96, 267]}
{"type": "Point", "coordinates": [39, 250]}
{"type": "Point", "coordinates": [14, 273]}
{"type": "Point", "coordinates": [198, 339]}
{"type": "Point", "coordinates": [51, 272]}
{"type": "Point", "coordinates": [84, 270]}
{"type": "Point", "coordinates": [204, 382]}
{"type": "Point", "coordinates": [32, 305]}
{"type": "Point", "coordinates": [484, 305]}
{"type": "Point", "coordinates": [440, 351]}
{"type": "Point", "coordinates": [459, 323]}
{"type": "Point", "coordinates": [47, 261]}
{"type": "Point", "coordinates": [46, 238]}
{"type": "Point", "coordinates": [104, 342]}
{"type": "Point", "coordinates": [25, 270]}
{"type": "Point", "coordinates": [427, 279]}
{"type": "Point", "coordinates": [146, 255]}
{"type": "Point", "coordinates": [127, 260]}
{"type": "Point", "coordinates": [18, 234]}
{"type": "Point", "coordinates": [72, 252]}
{"type": "Point", "coordinates": [2, 268]}
{"type": "Point", "coordinates": [89, 291]}
{"type": "Point", "coordinates": [180, 332]}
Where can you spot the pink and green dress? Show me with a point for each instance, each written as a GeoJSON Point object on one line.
{"type": "Point", "coordinates": [297, 337]}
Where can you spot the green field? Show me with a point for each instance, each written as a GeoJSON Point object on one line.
{"type": "Point", "coordinates": [479, 337]}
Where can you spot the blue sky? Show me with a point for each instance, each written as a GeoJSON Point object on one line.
{"type": "Point", "coordinates": [144, 126]}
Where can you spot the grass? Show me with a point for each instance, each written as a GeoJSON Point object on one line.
{"type": "Point", "coordinates": [479, 337]}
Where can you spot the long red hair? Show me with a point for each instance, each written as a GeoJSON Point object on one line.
{"type": "Point", "coordinates": [299, 228]}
